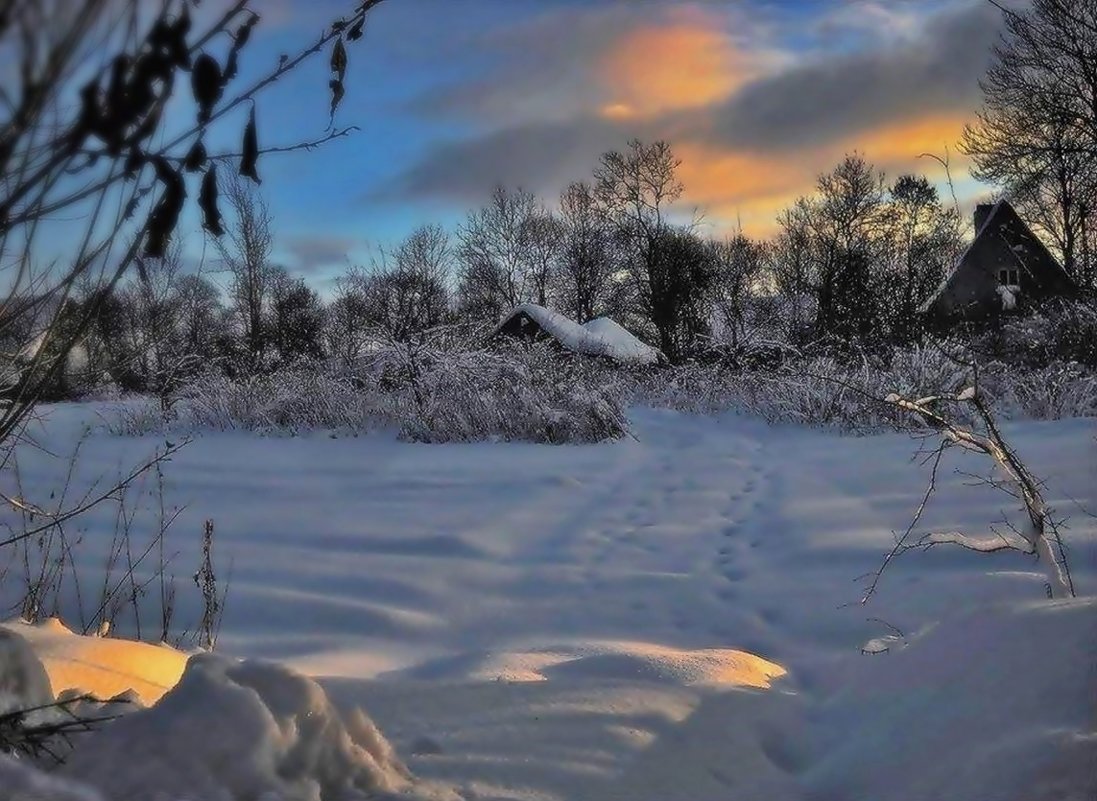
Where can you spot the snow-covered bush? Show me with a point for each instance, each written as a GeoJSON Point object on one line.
{"type": "Point", "coordinates": [846, 393]}
{"type": "Point", "coordinates": [432, 390]}
{"type": "Point", "coordinates": [300, 397]}
{"type": "Point", "coordinates": [1050, 393]}
{"type": "Point", "coordinates": [1064, 331]}
{"type": "Point", "coordinates": [532, 393]}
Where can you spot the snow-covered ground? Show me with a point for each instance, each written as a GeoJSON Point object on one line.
{"type": "Point", "coordinates": [616, 621]}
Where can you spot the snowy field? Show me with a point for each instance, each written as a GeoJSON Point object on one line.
{"type": "Point", "coordinates": [672, 617]}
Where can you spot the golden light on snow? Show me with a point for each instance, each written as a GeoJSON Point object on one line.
{"type": "Point", "coordinates": [629, 660]}
{"type": "Point", "coordinates": [102, 666]}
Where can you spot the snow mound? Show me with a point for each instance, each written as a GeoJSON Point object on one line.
{"type": "Point", "coordinates": [609, 660]}
{"type": "Point", "coordinates": [600, 337]}
{"type": "Point", "coordinates": [710, 666]}
{"type": "Point", "coordinates": [23, 782]}
{"type": "Point", "coordinates": [997, 704]}
{"type": "Point", "coordinates": [243, 731]}
{"type": "Point", "coordinates": [101, 666]}
{"type": "Point", "coordinates": [24, 683]}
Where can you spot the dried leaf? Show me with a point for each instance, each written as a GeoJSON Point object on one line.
{"type": "Point", "coordinates": [196, 157]}
{"type": "Point", "coordinates": [205, 78]}
{"type": "Point", "coordinates": [165, 215]}
{"type": "Point", "coordinates": [207, 201]}
{"type": "Point", "coordinates": [337, 93]}
{"type": "Point", "coordinates": [239, 40]}
{"type": "Point", "coordinates": [230, 68]}
{"type": "Point", "coordinates": [355, 33]}
{"type": "Point", "coordinates": [339, 59]}
{"type": "Point", "coordinates": [250, 150]}
{"type": "Point", "coordinates": [244, 33]}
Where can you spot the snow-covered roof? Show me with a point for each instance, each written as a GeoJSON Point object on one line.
{"type": "Point", "coordinates": [623, 345]}
{"type": "Point", "coordinates": [600, 337]}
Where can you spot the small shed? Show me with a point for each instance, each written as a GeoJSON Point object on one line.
{"type": "Point", "coordinates": [1005, 269]}
{"type": "Point", "coordinates": [601, 337]}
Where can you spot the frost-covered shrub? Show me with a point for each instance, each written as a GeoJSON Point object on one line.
{"type": "Point", "coordinates": [434, 390]}
{"type": "Point", "coordinates": [845, 393]}
{"type": "Point", "coordinates": [1065, 331]}
{"type": "Point", "coordinates": [299, 398]}
{"type": "Point", "coordinates": [136, 417]}
{"type": "Point", "coordinates": [534, 394]}
{"type": "Point", "coordinates": [1054, 392]}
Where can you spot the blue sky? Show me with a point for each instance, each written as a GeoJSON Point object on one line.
{"type": "Point", "coordinates": [454, 96]}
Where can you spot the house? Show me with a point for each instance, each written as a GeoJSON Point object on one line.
{"type": "Point", "coordinates": [1006, 268]}
{"type": "Point", "coordinates": [601, 337]}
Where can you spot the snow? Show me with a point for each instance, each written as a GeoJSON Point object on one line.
{"type": "Point", "coordinates": [251, 730]}
{"type": "Point", "coordinates": [23, 782]}
{"type": "Point", "coordinates": [600, 337]}
{"type": "Point", "coordinates": [611, 621]}
{"type": "Point", "coordinates": [24, 683]}
{"type": "Point", "coordinates": [102, 667]}
{"type": "Point", "coordinates": [622, 345]}
{"type": "Point", "coordinates": [1008, 296]}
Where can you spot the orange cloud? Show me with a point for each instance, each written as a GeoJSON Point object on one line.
{"type": "Point", "coordinates": [684, 64]}
{"type": "Point", "coordinates": [736, 188]}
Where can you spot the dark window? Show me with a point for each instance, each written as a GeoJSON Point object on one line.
{"type": "Point", "coordinates": [1009, 277]}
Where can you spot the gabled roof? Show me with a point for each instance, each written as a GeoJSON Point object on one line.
{"type": "Point", "coordinates": [600, 337]}
{"type": "Point", "coordinates": [941, 287]}
{"type": "Point", "coordinates": [989, 228]}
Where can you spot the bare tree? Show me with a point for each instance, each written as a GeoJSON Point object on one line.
{"type": "Point", "coordinates": [494, 253]}
{"type": "Point", "coordinates": [202, 317]}
{"type": "Point", "coordinates": [636, 188]}
{"type": "Point", "coordinates": [348, 328]}
{"type": "Point", "coordinates": [1039, 535]}
{"type": "Point", "coordinates": [926, 241]}
{"type": "Point", "coordinates": [296, 318]}
{"type": "Point", "coordinates": [245, 251]}
{"type": "Point", "coordinates": [1036, 135]}
{"type": "Point", "coordinates": [543, 243]}
{"type": "Point", "coordinates": [738, 264]}
{"type": "Point", "coordinates": [835, 238]}
{"type": "Point", "coordinates": [589, 258]}
{"type": "Point", "coordinates": [407, 293]}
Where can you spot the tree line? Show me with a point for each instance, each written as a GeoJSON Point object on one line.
{"type": "Point", "coordinates": [850, 262]}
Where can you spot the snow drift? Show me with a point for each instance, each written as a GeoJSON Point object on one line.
{"type": "Point", "coordinates": [103, 667]}
{"type": "Point", "coordinates": [243, 731]}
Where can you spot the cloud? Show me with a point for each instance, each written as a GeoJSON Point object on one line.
{"type": "Point", "coordinates": [685, 61]}
{"type": "Point", "coordinates": [636, 58]}
{"type": "Point", "coordinates": [312, 254]}
{"type": "Point", "coordinates": [751, 189]}
{"type": "Point", "coordinates": [754, 124]}
{"type": "Point", "coordinates": [831, 97]}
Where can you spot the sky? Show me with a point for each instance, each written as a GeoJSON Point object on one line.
{"type": "Point", "coordinates": [757, 97]}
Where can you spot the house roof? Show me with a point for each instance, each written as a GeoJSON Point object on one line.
{"type": "Point", "coordinates": [986, 229]}
{"type": "Point", "coordinates": [941, 287]}
{"type": "Point", "coordinates": [600, 337]}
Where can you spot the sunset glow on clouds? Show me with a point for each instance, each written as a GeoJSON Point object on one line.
{"type": "Point", "coordinates": [758, 97]}
{"type": "Point", "coordinates": [682, 64]}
